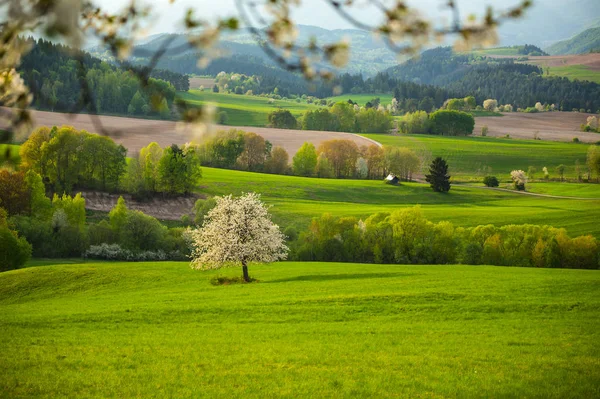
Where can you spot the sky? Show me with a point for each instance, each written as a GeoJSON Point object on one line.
{"type": "Point", "coordinates": [168, 17]}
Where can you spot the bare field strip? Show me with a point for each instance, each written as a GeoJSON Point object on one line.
{"type": "Point", "coordinates": [135, 134]}
{"type": "Point", "coordinates": [552, 126]}
{"type": "Point", "coordinates": [195, 83]}
{"type": "Point", "coordinates": [592, 60]}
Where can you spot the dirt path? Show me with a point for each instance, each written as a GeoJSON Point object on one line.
{"type": "Point", "coordinates": [135, 133]}
{"type": "Point", "coordinates": [529, 193]}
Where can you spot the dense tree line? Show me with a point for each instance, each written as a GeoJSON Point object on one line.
{"type": "Point", "coordinates": [180, 82]}
{"type": "Point", "coordinates": [523, 91]}
{"type": "Point", "coordinates": [442, 122]}
{"type": "Point", "coordinates": [66, 159]}
{"type": "Point", "coordinates": [407, 237]}
{"type": "Point", "coordinates": [345, 117]}
{"type": "Point", "coordinates": [55, 74]}
{"type": "Point", "coordinates": [58, 228]}
{"type": "Point", "coordinates": [519, 84]}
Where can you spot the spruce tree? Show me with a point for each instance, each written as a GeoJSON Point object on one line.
{"type": "Point", "coordinates": [438, 176]}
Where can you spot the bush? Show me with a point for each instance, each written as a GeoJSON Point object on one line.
{"type": "Point", "coordinates": [142, 232]}
{"type": "Point", "coordinates": [14, 250]}
{"type": "Point", "coordinates": [491, 181]}
{"type": "Point", "coordinates": [116, 252]}
{"type": "Point", "coordinates": [222, 118]}
{"type": "Point", "coordinates": [484, 130]}
{"type": "Point", "coordinates": [282, 119]}
{"type": "Point", "coordinates": [452, 123]}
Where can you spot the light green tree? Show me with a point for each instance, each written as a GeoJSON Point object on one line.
{"type": "Point", "coordinates": [305, 160]}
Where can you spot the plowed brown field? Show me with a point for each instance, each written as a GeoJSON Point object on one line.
{"type": "Point", "coordinates": [553, 126]}
{"type": "Point", "coordinates": [137, 133]}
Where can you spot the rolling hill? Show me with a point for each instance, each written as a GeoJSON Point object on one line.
{"type": "Point", "coordinates": [582, 43]}
{"type": "Point", "coordinates": [305, 330]}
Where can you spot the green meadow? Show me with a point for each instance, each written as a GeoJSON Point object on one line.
{"type": "Point", "coordinates": [305, 330]}
{"type": "Point", "coordinates": [244, 110]}
{"type": "Point", "coordinates": [581, 72]}
{"type": "Point", "coordinates": [471, 157]}
{"type": "Point", "coordinates": [362, 99]}
{"type": "Point", "coordinates": [296, 200]}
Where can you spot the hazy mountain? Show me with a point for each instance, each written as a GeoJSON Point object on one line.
{"type": "Point", "coordinates": [579, 44]}
{"type": "Point", "coordinates": [368, 55]}
{"type": "Point", "coordinates": [550, 21]}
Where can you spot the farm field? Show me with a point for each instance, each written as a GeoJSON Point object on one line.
{"type": "Point", "coordinates": [296, 200]}
{"type": "Point", "coordinates": [362, 99]}
{"type": "Point", "coordinates": [244, 110]}
{"type": "Point", "coordinates": [580, 66]}
{"type": "Point", "coordinates": [550, 126]}
{"type": "Point", "coordinates": [306, 329]}
{"type": "Point", "coordinates": [470, 157]}
{"type": "Point", "coordinates": [580, 72]}
{"type": "Point", "coordinates": [135, 134]}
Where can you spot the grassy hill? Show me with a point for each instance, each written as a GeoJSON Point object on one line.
{"type": "Point", "coordinates": [296, 200]}
{"type": "Point", "coordinates": [306, 330]}
{"type": "Point", "coordinates": [582, 43]}
{"type": "Point", "coordinates": [244, 110]}
{"type": "Point", "coordinates": [469, 155]}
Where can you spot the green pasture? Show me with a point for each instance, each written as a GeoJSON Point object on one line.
{"type": "Point", "coordinates": [244, 110]}
{"type": "Point", "coordinates": [121, 330]}
{"type": "Point", "coordinates": [498, 51]}
{"type": "Point", "coordinates": [582, 190]}
{"type": "Point", "coordinates": [362, 99]}
{"type": "Point", "coordinates": [296, 200]}
{"type": "Point", "coordinates": [581, 72]}
{"type": "Point", "coordinates": [470, 157]}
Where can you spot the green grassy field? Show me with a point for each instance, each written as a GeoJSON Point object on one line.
{"type": "Point", "coordinates": [581, 72]}
{"type": "Point", "coordinates": [497, 51]}
{"type": "Point", "coordinates": [244, 110]}
{"type": "Point", "coordinates": [469, 155]}
{"type": "Point", "coordinates": [305, 330]}
{"type": "Point", "coordinates": [296, 200]}
{"type": "Point", "coordinates": [362, 99]}
{"type": "Point", "coordinates": [582, 190]}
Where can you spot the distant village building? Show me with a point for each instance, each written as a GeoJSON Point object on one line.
{"type": "Point", "coordinates": [392, 179]}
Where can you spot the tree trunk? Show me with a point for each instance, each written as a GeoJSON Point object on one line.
{"type": "Point", "coordinates": [245, 270]}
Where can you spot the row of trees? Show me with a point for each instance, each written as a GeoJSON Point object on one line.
{"type": "Point", "coordinates": [407, 237]}
{"type": "Point", "coordinates": [66, 158]}
{"type": "Point", "coordinates": [32, 223]}
{"type": "Point", "coordinates": [442, 122]}
{"type": "Point", "coordinates": [345, 117]}
{"type": "Point", "coordinates": [172, 170]}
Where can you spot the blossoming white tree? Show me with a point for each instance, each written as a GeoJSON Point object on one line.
{"type": "Point", "coordinates": [519, 179]}
{"type": "Point", "coordinates": [237, 230]}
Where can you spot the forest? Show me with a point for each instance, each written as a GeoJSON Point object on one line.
{"type": "Point", "coordinates": [56, 75]}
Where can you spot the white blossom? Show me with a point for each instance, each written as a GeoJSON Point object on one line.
{"type": "Point", "coordinates": [237, 230]}
{"type": "Point", "coordinates": [519, 176]}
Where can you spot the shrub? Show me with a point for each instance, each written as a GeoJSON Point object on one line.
{"type": "Point", "coordinates": [141, 232]}
{"type": "Point", "coordinates": [452, 123]}
{"type": "Point", "coordinates": [116, 252]}
{"type": "Point", "coordinates": [222, 118]}
{"type": "Point", "coordinates": [14, 250]}
{"type": "Point", "coordinates": [519, 179]}
{"type": "Point", "coordinates": [491, 181]}
{"type": "Point", "coordinates": [484, 130]}
{"type": "Point", "coordinates": [282, 119]}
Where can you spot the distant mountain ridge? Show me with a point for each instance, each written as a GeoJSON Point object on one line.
{"type": "Point", "coordinates": [579, 44]}
{"type": "Point", "coordinates": [368, 55]}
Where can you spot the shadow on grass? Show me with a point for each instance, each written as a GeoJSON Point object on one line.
{"type": "Point", "coordinates": [331, 277]}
